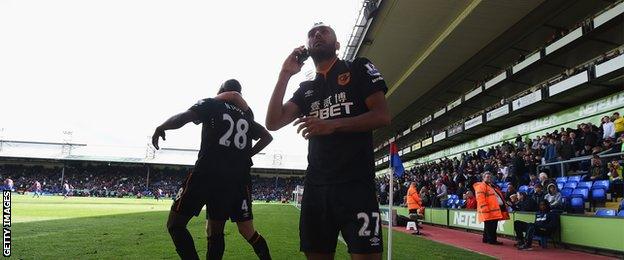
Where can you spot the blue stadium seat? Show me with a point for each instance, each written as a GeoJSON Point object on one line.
{"type": "Point", "coordinates": [566, 192]}
{"type": "Point", "coordinates": [605, 213]}
{"type": "Point", "coordinates": [584, 184]}
{"type": "Point", "coordinates": [462, 203]}
{"type": "Point", "coordinates": [581, 191]}
{"type": "Point", "coordinates": [571, 184]}
{"type": "Point", "coordinates": [621, 213]}
{"type": "Point", "coordinates": [562, 179]}
{"type": "Point", "coordinates": [559, 185]}
{"type": "Point", "coordinates": [599, 194]}
{"type": "Point", "coordinates": [575, 178]}
{"type": "Point", "coordinates": [523, 188]}
{"type": "Point", "coordinates": [603, 183]}
{"type": "Point", "coordinates": [577, 205]}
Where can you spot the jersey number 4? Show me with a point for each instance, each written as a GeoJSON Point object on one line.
{"type": "Point", "coordinates": [240, 138]}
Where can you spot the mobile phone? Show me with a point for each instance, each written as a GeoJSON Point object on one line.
{"type": "Point", "coordinates": [303, 56]}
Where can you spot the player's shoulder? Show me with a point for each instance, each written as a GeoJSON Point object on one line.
{"type": "Point", "coordinates": [365, 64]}
{"type": "Point", "coordinates": [359, 62]}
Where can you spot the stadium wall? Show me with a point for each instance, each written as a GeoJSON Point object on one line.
{"type": "Point", "coordinates": [588, 112]}
{"type": "Point", "coordinates": [587, 231]}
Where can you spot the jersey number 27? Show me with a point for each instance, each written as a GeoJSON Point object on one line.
{"type": "Point", "coordinates": [240, 138]}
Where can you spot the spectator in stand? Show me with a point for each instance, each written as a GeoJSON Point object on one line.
{"type": "Point", "coordinates": [525, 203]}
{"type": "Point", "coordinates": [544, 180]}
{"type": "Point", "coordinates": [461, 189]}
{"type": "Point", "coordinates": [618, 124]}
{"type": "Point", "coordinates": [538, 193]}
{"type": "Point", "coordinates": [511, 190]}
{"type": "Point", "coordinates": [589, 137]}
{"type": "Point", "coordinates": [615, 171]}
{"type": "Point", "coordinates": [574, 141]}
{"type": "Point", "coordinates": [425, 197]}
{"type": "Point", "coordinates": [533, 180]}
{"type": "Point", "coordinates": [441, 193]}
{"type": "Point", "coordinates": [513, 203]}
{"type": "Point", "coordinates": [553, 197]}
{"type": "Point", "coordinates": [608, 128]}
{"type": "Point", "coordinates": [471, 202]}
{"type": "Point", "coordinates": [596, 169]}
{"type": "Point", "coordinates": [546, 222]}
{"type": "Point", "coordinates": [565, 149]}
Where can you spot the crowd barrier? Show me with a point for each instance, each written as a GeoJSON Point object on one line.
{"type": "Point", "coordinates": [605, 233]}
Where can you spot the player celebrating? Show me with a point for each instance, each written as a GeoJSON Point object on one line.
{"type": "Point", "coordinates": [37, 189]}
{"type": "Point", "coordinates": [340, 108]}
{"type": "Point", "coordinates": [221, 177]}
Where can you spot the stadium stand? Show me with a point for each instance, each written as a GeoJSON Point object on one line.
{"type": "Point", "coordinates": [537, 102]}
{"type": "Point", "coordinates": [100, 180]}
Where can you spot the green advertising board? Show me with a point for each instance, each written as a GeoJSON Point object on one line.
{"type": "Point", "coordinates": [468, 219]}
{"type": "Point", "coordinates": [598, 232]}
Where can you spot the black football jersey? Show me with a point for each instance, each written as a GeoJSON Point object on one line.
{"type": "Point", "coordinates": [340, 93]}
{"type": "Point", "coordinates": [227, 134]}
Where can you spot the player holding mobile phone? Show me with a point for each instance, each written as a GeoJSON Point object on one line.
{"type": "Point", "coordinates": [337, 112]}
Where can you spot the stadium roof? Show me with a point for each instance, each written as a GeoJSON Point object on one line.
{"type": "Point", "coordinates": [417, 44]}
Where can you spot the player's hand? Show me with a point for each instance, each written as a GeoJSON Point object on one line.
{"type": "Point", "coordinates": [313, 126]}
{"type": "Point", "coordinates": [291, 66]}
{"type": "Point", "coordinates": [157, 134]}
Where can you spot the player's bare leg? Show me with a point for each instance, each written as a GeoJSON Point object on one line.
{"type": "Point", "coordinates": [182, 239]}
{"type": "Point", "coordinates": [216, 241]}
{"type": "Point", "coordinates": [259, 244]}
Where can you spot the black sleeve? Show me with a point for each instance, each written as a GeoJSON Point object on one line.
{"type": "Point", "coordinates": [369, 78]}
{"type": "Point", "coordinates": [298, 98]}
{"type": "Point", "coordinates": [205, 108]}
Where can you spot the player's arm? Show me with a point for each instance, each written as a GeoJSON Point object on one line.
{"type": "Point", "coordinates": [264, 139]}
{"type": "Point", "coordinates": [279, 113]}
{"type": "Point", "coordinates": [173, 122]}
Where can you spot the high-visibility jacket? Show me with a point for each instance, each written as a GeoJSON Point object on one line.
{"type": "Point", "coordinates": [487, 203]}
{"type": "Point", "coordinates": [413, 199]}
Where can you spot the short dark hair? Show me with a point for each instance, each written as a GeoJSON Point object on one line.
{"type": "Point", "coordinates": [230, 85]}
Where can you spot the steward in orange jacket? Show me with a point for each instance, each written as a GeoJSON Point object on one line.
{"type": "Point", "coordinates": [414, 203]}
{"type": "Point", "coordinates": [488, 205]}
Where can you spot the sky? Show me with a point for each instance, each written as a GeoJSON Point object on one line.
{"type": "Point", "coordinates": [110, 71]}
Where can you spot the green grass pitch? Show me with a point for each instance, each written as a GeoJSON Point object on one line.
{"type": "Point", "coordinates": [109, 228]}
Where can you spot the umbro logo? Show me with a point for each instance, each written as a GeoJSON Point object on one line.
{"type": "Point", "coordinates": [309, 93]}
{"type": "Point", "coordinates": [375, 241]}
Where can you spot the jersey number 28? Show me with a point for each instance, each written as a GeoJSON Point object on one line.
{"type": "Point", "coordinates": [240, 138]}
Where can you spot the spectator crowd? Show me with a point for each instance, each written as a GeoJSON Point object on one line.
{"type": "Point", "coordinates": [98, 180]}
{"type": "Point", "coordinates": [516, 163]}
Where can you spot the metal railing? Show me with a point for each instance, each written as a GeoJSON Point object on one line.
{"type": "Point", "coordinates": [562, 164]}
